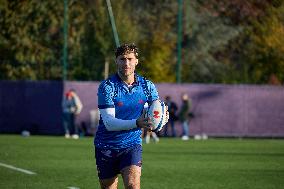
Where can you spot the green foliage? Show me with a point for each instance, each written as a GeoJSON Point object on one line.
{"type": "Point", "coordinates": [268, 50]}
{"type": "Point", "coordinates": [256, 54]}
{"type": "Point", "coordinates": [156, 41]}
{"type": "Point", "coordinates": [223, 41]}
{"type": "Point", "coordinates": [30, 37]}
{"type": "Point", "coordinates": [205, 34]}
{"type": "Point", "coordinates": [234, 42]}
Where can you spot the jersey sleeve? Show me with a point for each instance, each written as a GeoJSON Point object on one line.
{"type": "Point", "coordinates": [105, 95]}
{"type": "Point", "coordinates": [113, 124]}
{"type": "Point", "coordinates": [153, 91]}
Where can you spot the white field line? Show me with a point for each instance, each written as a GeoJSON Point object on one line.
{"type": "Point", "coordinates": [17, 169]}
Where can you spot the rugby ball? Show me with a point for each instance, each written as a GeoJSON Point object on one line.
{"type": "Point", "coordinates": [157, 114]}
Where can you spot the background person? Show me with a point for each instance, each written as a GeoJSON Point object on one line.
{"type": "Point", "coordinates": [149, 134]}
{"type": "Point", "coordinates": [184, 115]}
{"type": "Point", "coordinates": [121, 100]}
{"type": "Point", "coordinates": [80, 127]}
{"type": "Point", "coordinates": [172, 108]}
{"type": "Point", "coordinates": [69, 108]}
{"type": "Point", "coordinates": [79, 105]}
{"type": "Point", "coordinates": [72, 107]}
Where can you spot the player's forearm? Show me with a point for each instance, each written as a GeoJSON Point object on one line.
{"type": "Point", "coordinates": [113, 124]}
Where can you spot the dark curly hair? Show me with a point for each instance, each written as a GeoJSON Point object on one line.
{"type": "Point", "coordinates": [125, 49]}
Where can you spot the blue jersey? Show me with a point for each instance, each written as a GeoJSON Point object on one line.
{"type": "Point", "coordinates": [128, 103]}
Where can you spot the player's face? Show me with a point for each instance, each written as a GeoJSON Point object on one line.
{"type": "Point", "coordinates": [126, 64]}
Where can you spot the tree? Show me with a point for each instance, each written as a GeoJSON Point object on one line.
{"type": "Point", "coordinates": [240, 37]}
{"type": "Point", "coordinates": [156, 21]}
{"type": "Point", "coordinates": [268, 47]}
{"type": "Point", "coordinates": [257, 53]}
{"type": "Point", "coordinates": [223, 41]}
{"type": "Point", "coordinates": [26, 35]}
{"type": "Point", "coordinates": [31, 32]}
{"type": "Point", "coordinates": [205, 33]}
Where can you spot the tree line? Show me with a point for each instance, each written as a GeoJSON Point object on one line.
{"type": "Point", "coordinates": [222, 41]}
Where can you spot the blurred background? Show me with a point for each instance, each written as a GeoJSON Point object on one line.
{"type": "Point", "coordinates": [222, 41]}
{"type": "Point", "coordinates": [228, 52]}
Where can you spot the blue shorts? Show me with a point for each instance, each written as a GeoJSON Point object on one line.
{"type": "Point", "coordinates": [111, 162]}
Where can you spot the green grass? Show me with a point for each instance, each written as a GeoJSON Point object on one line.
{"type": "Point", "coordinates": [170, 164]}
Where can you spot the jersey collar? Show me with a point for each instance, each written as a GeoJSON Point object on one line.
{"type": "Point", "coordinates": [136, 80]}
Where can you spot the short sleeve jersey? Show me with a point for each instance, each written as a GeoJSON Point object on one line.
{"type": "Point", "coordinates": [128, 103]}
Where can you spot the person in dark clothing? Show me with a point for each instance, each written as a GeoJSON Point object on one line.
{"type": "Point", "coordinates": [172, 108]}
{"type": "Point", "coordinates": [184, 116]}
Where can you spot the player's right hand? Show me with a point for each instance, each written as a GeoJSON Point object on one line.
{"type": "Point", "coordinates": [144, 122]}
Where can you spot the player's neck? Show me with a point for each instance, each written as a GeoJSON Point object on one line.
{"type": "Point", "coordinates": [129, 80]}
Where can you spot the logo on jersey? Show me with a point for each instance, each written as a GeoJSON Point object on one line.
{"type": "Point", "coordinates": [141, 101]}
{"type": "Point", "coordinates": [119, 103]}
{"type": "Point", "coordinates": [156, 114]}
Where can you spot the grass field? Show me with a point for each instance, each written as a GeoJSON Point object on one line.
{"type": "Point", "coordinates": [170, 164]}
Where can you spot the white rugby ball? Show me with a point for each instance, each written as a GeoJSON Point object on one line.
{"type": "Point", "coordinates": [157, 114]}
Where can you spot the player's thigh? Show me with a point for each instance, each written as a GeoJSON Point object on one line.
{"type": "Point", "coordinates": [131, 176]}
{"type": "Point", "coordinates": [110, 183]}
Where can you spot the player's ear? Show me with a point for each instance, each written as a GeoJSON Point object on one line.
{"type": "Point", "coordinates": [136, 62]}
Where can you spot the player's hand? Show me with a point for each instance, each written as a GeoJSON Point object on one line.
{"type": "Point", "coordinates": [144, 122]}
